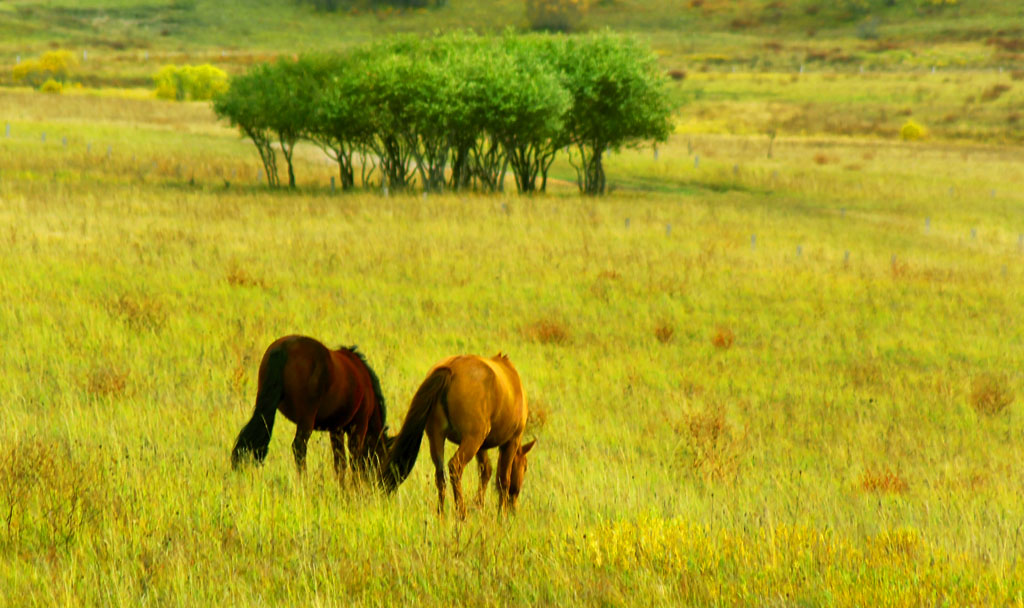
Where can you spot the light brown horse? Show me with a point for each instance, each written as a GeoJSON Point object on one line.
{"type": "Point", "coordinates": [478, 404]}
{"type": "Point", "coordinates": [317, 389]}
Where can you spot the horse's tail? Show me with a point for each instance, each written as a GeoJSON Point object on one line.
{"type": "Point", "coordinates": [254, 438]}
{"type": "Point", "coordinates": [406, 446]}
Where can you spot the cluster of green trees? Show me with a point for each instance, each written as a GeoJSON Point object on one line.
{"type": "Point", "coordinates": [456, 112]}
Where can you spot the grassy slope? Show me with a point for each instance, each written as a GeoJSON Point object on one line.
{"type": "Point", "coordinates": [285, 26]}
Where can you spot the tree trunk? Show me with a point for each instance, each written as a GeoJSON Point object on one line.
{"type": "Point", "coordinates": [593, 173]}
{"type": "Point", "coordinates": [288, 149]}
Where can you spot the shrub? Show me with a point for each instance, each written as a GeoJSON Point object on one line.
{"type": "Point", "coordinates": [195, 82]}
{"type": "Point", "coordinates": [995, 92]}
{"type": "Point", "coordinates": [53, 65]}
{"type": "Point", "coordinates": [28, 72]}
{"type": "Point", "coordinates": [51, 86]}
{"type": "Point", "coordinates": [912, 131]}
{"type": "Point", "coordinates": [207, 81]}
{"type": "Point", "coordinates": [555, 15]}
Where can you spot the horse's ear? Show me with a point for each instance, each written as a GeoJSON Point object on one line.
{"type": "Point", "coordinates": [526, 448]}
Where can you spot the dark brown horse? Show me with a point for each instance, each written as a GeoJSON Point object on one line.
{"type": "Point", "coordinates": [319, 390]}
{"type": "Point", "coordinates": [477, 403]}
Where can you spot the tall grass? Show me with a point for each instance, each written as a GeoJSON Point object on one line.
{"type": "Point", "coordinates": [721, 423]}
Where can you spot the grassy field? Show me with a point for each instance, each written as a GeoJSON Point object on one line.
{"type": "Point", "coordinates": [770, 371]}
{"type": "Point", "coordinates": [754, 381]}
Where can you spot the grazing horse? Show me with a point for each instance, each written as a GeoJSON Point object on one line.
{"type": "Point", "coordinates": [319, 390]}
{"type": "Point", "coordinates": [478, 404]}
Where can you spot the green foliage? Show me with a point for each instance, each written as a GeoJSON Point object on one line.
{"type": "Point", "coordinates": [619, 98]}
{"type": "Point", "coordinates": [193, 82]}
{"type": "Point", "coordinates": [458, 110]}
{"type": "Point", "coordinates": [533, 103]}
{"type": "Point", "coordinates": [248, 104]}
{"type": "Point", "coordinates": [290, 88]}
{"type": "Point", "coordinates": [341, 122]}
{"type": "Point", "coordinates": [273, 102]}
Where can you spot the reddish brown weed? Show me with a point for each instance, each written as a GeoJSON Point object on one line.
{"type": "Point", "coordinates": [537, 417]}
{"type": "Point", "coordinates": [723, 338]}
{"type": "Point", "coordinates": [995, 92]}
{"type": "Point", "coordinates": [883, 481]}
{"type": "Point", "coordinates": [240, 277]}
{"type": "Point", "coordinates": [712, 447]}
{"type": "Point", "coordinates": [107, 381]}
{"type": "Point", "coordinates": [990, 394]}
{"type": "Point", "coordinates": [664, 332]}
{"type": "Point", "coordinates": [547, 332]}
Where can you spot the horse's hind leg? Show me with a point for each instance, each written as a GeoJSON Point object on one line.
{"type": "Point", "coordinates": [437, 456]}
{"type": "Point", "coordinates": [299, 447]}
{"type": "Point", "coordinates": [486, 470]}
{"type": "Point", "coordinates": [340, 458]}
{"type": "Point", "coordinates": [467, 450]}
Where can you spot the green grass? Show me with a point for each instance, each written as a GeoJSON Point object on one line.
{"type": "Point", "coordinates": [828, 455]}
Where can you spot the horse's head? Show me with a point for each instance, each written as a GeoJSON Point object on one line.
{"type": "Point", "coordinates": [518, 472]}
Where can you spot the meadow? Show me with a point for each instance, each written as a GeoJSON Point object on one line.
{"type": "Point", "coordinates": [780, 364]}
{"type": "Point", "coordinates": [754, 381]}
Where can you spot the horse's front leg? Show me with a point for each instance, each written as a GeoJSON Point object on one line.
{"type": "Point", "coordinates": [506, 455]}
{"type": "Point", "coordinates": [340, 458]}
{"type": "Point", "coordinates": [302, 435]}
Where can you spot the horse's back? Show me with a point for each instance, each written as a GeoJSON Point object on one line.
{"type": "Point", "coordinates": [297, 347]}
{"type": "Point", "coordinates": [488, 388]}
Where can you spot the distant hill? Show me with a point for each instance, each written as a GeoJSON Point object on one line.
{"type": "Point", "coordinates": [125, 40]}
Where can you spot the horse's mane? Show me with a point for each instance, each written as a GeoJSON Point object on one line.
{"type": "Point", "coordinates": [374, 381]}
